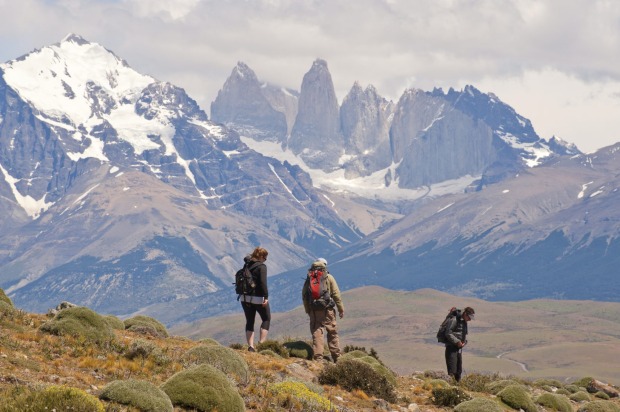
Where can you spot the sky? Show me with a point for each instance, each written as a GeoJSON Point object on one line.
{"type": "Point", "coordinates": [556, 62]}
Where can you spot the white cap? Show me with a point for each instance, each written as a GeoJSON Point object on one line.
{"type": "Point", "coordinates": [322, 260]}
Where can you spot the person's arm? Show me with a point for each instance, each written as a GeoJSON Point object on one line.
{"type": "Point", "coordinates": [304, 294]}
{"type": "Point", "coordinates": [262, 273]}
{"type": "Point", "coordinates": [335, 294]}
{"type": "Point", "coordinates": [450, 336]}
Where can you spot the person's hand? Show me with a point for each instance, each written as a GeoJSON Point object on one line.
{"type": "Point", "coordinates": [265, 301]}
{"type": "Point", "coordinates": [341, 314]}
{"type": "Point", "coordinates": [460, 344]}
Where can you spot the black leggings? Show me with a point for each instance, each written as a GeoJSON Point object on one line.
{"type": "Point", "coordinates": [250, 310]}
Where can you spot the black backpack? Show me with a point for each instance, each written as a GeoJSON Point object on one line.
{"type": "Point", "coordinates": [441, 333]}
{"type": "Point", "coordinates": [244, 281]}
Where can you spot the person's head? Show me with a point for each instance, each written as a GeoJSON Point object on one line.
{"type": "Point", "coordinates": [259, 254]}
{"type": "Point", "coordinates": [322, 260]}
{"type": "Point", "coordinates": [468, 313]}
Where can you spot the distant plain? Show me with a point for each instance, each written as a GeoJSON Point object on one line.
{"type": "Point", "coordinates": [563, 339]}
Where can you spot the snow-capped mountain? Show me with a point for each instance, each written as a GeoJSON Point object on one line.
{"type": "Point", "coordinates": [72, 117]}
{"type": "Point", "coordinates": [118, 192]}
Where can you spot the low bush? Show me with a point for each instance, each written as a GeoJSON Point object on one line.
{"type": "Point", "coordinates": [497, 386]}
{"type": "Point", "coordinates": [139, 394]}
{"type": "Point", "coordinates": [79, 321]}
{"type": "Point", "coordinates": [599, 406]}
{"type": "Point", "coordinates": [269, 352]}
{"type": "Point", "coordinates": [4, 298]}
{"type": "Point", "coordinates": [220, 357]}
{"type": "Point", "coordinates": [475, 382]}
{"type": "Point", "coordinates": [6, 309]}
{"type": "Point", "coordinates": [555, 402]}
{"type": "Point", "coordinates": [548, 382]}
{"type": "Point", "coordinates": [601, 395]}
{"type": "Point", "coordinates": [204, 388]}
{"type": "Point", "coordinates": [373, 362]}
{"type": "Point", "coordinates": [435, 383]}
{"type": "Point", "coordinates": [114, 322]}
{"type": "Point", "coordinates": [297, 396]}
{"type": "Point", "coordinates": [59, 398]}
{"type": "Point", "coordinates": [563, 391]}
{"type": "Point", "coordinates": [572, 388]}
{"type": "Point", "coordinates": [580, 396]}
{"type": "Point", "coordinates": [584, 382]}
{"type": "Point", "coordinates": [141, 348]}
{"type": "Point", "coordinates": [146, 325]}
{"type": "Point", "coordinates": [478, 405]}
{"type": "Point", "coordinates": [208, 341]}
{"type": "Point", "coordinates": [517, 397]}
{"type": "Point", "coordinates": [299, 349]}
{"type": "Point", "coordinates": [449, 397]}
{"type": "Point", "coordinates": [354, 374]}
{"type": "Point", "coordinates": [274, 346]}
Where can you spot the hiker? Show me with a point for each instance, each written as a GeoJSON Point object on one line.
{"type": "Point", "coordinates": [257, 301]}
{"type": "Point", "coordinates": [456, 338]}
{"type": "Point", "coordinates": [321, 295]}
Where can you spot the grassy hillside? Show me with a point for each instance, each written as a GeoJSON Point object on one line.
{"type": "Point", "coordinates": [82, 361]}
{"type": "Point", "coordinates": [532, 339]}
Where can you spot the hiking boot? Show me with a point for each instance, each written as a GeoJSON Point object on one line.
{"type": "Point", "coordinates": [251, 349]}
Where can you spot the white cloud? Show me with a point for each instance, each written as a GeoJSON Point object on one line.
{"type": "Point", "coordinates": [555, 61]}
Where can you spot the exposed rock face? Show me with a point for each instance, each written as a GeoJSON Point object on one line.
{"type": "Point", "coordinates": [241, 105]}
{"type": "Point", "coordinates": [316, 135]}
{"type": "Point", "coordinates": [284, 101]}
{"type": "Point", "coordinates": [365, 118]}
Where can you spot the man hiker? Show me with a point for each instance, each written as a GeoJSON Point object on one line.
{"type": "Point", "coordinates": [456, 338]}
{"type": "Point", "coordinates": [321, 296]}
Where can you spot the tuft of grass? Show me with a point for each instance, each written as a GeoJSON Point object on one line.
{"type": "Point", "coordinates": [59, 398]}
{"type": "Point", "coordinates": [205, 388]}
{"type": "Point", "coordinates": [139, 394]}
{"type": "Point", "coordinates": [580, 396]}
{"type": "Point", "coordinates": [146, 325]}
{"type": "Point", "coordinates": [475, 382]}
{"type": "Point", "coordinates": [297, 396]}
{"type": "Point", "coordinates": [478, 405]}
{"type": "Point", "coordinates": [450, 396]}
{"type": "Point", "coordinates": [517, 397]}
{"type": "Point", "coordinates": [4, 298]}
{"type": "Point", "coordinates": [79, 322]}
{"type": "Point", "coordinates": [354, 374]}
{"type": "Point", "coordinates": [208, 341]}
{"type": "Point", "coordinates": [224, 359]}
{"type": "Point", "coordinates": [114, 322]}
{"type": "Point", "coordinates": [555, 402]}
{"type": "Point", "coordinates": [497, 386]}
{"type": "Point", "coordinates": [299, 349]}
{"type": "Point", "coordinates": [379, 367]}
{"type": "Point", "coordinates": [599, 406]}
{"type": "Point", "coordinates": [274, 346]}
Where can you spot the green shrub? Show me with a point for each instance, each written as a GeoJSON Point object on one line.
{"type": "Point", "coordinates": [373, 362]}
{"type": "Point", "coordinates": [208, 341]}
{"type": "Point", "coordinates": [450, 396]}
{"type": "Point", "coordinates": [6, 309]}
{"type": "Point", "coordinates": [572, 388]}
{"type": "Point", "coordinates": [517, 397]}
{"type": "Point", "coordinates": [269, 352]}
{"type": "Point", "coordinates": [599, 406]}
{"type": "Point", "coordinates": [354, 374]}
{"type": "Point", "coordinates": [475, 382]}
{"type": "Point", "coordinates": [548, 382]}
{"type": "Point", "coordinates": [435, 383]}
{"type": "Point", "coordinates": [141, 348]}
{"type": "Point", "coordinates": [563, 391]}
{"type": "Point", "coordinates": [602, 395]}
{"type": "Point", "coordinates": [299, 349]}
{"type": "Point", "coordinates": [555, 402]}
{"type": "Point", "coordinates": [580, 396]}
{"type": "Point", "coordinates": [146, 325]}
{"type": "Point", "coordinates": [4, 298]}
{"type": "Point", "coordinates": [204, 388]}
{"type": "Point", "coordinates": [114, 322]}
{"type": "Point", "coordinates": [297, 396]}
{"type": "Point", "coordinates": [139, 394]}
{"type": "Point", "coordinates": [584, 382]}
{"type": "Point", "coordinates": [220, 357]}
{"type": "Point", "coordinates": [497, 386]}
{"type": "Point", "coordinates": [478, 405]}
{"type": "Point", "coordinates": [274, 346]}
{"type": "Point", "coordinates": [59, 398]}
{"type": "Point", "coordinates": [79, 321]}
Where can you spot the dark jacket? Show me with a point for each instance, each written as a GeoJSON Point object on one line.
{"type": "Point", "coordinates": [456, 331]}
{"type": "Point", "coordinates": [259, 273]}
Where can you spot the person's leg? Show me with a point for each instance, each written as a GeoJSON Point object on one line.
{"type": "Point", "coordinates": [250, 315]}
{"type": "Point", "coordinates": [451, 360]}
{"type": "Point", "coordinates": [459, 365]}
{"type": "Point", "coordinates": [265, 315]}
{"type": "Point", "coordinates": [316, 328]}
{"type": "Point", "coordinates": [333, 342]}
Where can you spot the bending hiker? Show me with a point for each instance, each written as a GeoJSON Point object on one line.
{"type": "Point", "coordinates": [455, 338]}
{"type": "Point", "coordinates": [256, 300]}
{"type": "Point", "coordinates": [321, 295]}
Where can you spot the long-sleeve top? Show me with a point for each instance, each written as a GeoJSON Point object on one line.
{"type": "Point", "coordinates": [259, 273]}
{"type": "Point", "coordinates": [331, 286]}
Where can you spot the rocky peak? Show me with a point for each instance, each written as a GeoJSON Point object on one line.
{"type": "Point", "coordinates": [317, 131]}
{"type": "Point", "coordinates": [241, 104]}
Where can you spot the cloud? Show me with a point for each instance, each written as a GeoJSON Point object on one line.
{"type": "Point", "coordinates": [526, 51]}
